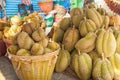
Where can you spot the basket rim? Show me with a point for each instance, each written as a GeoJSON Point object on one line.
{"type": "Point", "coordinates": [43, 57]}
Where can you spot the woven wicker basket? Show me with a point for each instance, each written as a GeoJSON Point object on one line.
{"type": "Point", "coordinates": [34, 67]}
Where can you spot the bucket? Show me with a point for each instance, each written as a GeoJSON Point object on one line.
{"type": "Point", "coordinates": [34, 67]}
{"type": "Point", "coordinates": [46, 6]}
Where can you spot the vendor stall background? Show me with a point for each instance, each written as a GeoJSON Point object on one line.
{"type": "Point", "coordinates": [12, 6]}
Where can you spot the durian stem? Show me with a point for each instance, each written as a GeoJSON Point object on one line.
{"type": "Point", "coordinates": [103, 27]}
{"type": "Point", "coordinates": [73, 27]}
{"type": "Point", "coordinates": [103, 57]}
{"type": "Point", "coordinates": [96, 31]}
{"type": "Point", "coordinates": [79, 52]}
{"type": "Point", "coordinates": [114, 24]}
{"type": "Point", "coordinates": [110, 30]}
{"type": "Point", "coordinates": [50, 40]}
{"type": "Point", "coordinates": [63, 47]}
{"type": "Point", "coordinates": [85, 19]}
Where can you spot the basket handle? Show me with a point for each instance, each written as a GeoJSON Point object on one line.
{"type": "Point", "coordinates": [19, 64]}
{"type": "Point", "coordinates": [53, 62]}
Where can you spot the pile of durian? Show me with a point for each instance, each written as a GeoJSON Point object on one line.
{"type": "Point", "coordinates": [32, 40]}
{"type": "Point", "coordinates": [90, 41]}
{"type": "Point", "coordinates": [28, 24]}
{"type": "Point", "coordinates": [32, 45]}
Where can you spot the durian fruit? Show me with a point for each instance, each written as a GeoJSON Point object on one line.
{"type": "Point", "coordinates": [43, 25]}
{"type": "Point", "coordinates": [10, 32]}
{"type": "Point", "coordinates": [115, 61]}
{"type": "Point", "coordinates": [70, 38]}
{"type": "Point", "coordinates": [86, 26]}
{"type": "Point", "coordinates": [23, 52]}
{"type": "Point", "coordinates": [53, 45]}
{"type": "Point", "coordinates": [76, 19]}
{"type": "Point", "coordinates": [16, 20]}
{"type": "Point", "coordinates": [63, 60]}
{"type": "Point", "coordinates": [72, 63]}
{"type": "Point", "coordinates": [89, 5]}
{"type": "Point", "coordinates": [24, 41]}
{"type": "Point", "coordinates": [102, 69]}
{"type": "Point", "coordinates": [38, 35]}
{"type": "Point", "coordinates": [106, 21]}
{"type": "Point", "coordinates": [116, 29]}
{"type": "Point", "coordinates": [47, 50]}
{"type": "Point", "coordinates": [57, 34]}
{"type": "Point", "coordinates": [44, 42]}
{"type": "Point", "coordinates": [114, 19]}
{"type": "Point", "coordinates": [117, 35]}
{"type": "Point", "coordinates": [76, 11]}
{"type": "Point", "coordinates": [105, 43]}
{"type": "Point", "coordinates": [95, 16]}
{"type": "Point", "coordinates": [34, 19]}
{"type": "Point", "coordinates": [101, 10]}
{"type": "Point", "coordinates": [37, 49]}
{"type": "Point", "coordinates": [13, 49]}
{"type": "Point", "coordinates": [76, 16]}
{"type": "Point", "coordinates": [87, 43]}
{"type": "Point", "coordinates": [29, 28]}
{"type": "Point", "coordinates": [82, 64]}
{"type": "Point", "coordinates": [94, 55]}
{"type": "Point", "coordinates": [65, 23]}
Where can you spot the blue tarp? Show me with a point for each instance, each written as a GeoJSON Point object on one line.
{"type": "Point", "coordinates": [65, 3]}
{"type": "Point", "coordinates": [1, 14]}
{"type": "Point", "coordinates": [12, 6]}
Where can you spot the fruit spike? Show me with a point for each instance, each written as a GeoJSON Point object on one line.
{"type": "Point", "coordinates": [113, 5]}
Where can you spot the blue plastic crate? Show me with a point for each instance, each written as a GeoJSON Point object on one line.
{"type": "Point", "coordinates": [1, 14]}
{"type": "Point", "coordinates": [12, 6]}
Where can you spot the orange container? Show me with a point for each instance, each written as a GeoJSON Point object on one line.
{"type": "Point", "coordinates": [46, 6]}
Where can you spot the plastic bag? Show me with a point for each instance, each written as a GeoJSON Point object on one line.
{"type": "Point", "coordinates": [77, 3]}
